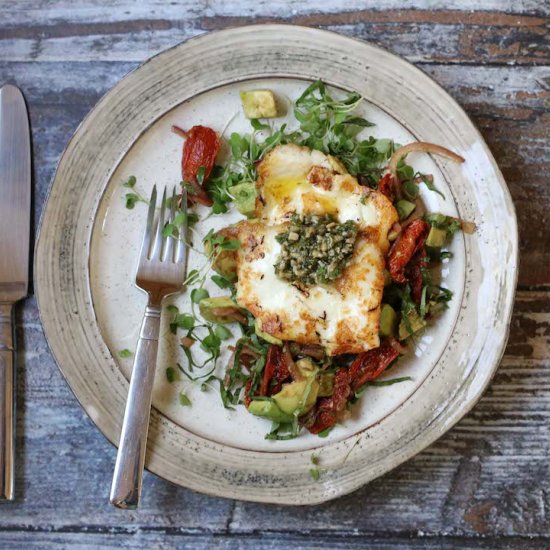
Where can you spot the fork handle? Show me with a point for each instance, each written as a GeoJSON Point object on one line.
{"type": "Point", "coordinates": [130, 460]}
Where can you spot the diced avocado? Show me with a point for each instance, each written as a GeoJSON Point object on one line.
{"type": "Point", "coordinates": [266, 336]}
{"type": "Point", "coordinates": [259, 104]}
{"type": "Point", "coordinates": [225, 263]}
{"type": "Point", "coordinates": [387, 278]}
{"type": "Point", "coordinates": [302, 369]}
{"type": "Point", "coordinates": [245, 197]}
{"type": "Point", "coordinates": [388, 321]}
{"type": "Point", "coordinates": [326, 384]}
{"type": "Point", "coordinates": [268, 409]}
{"type": "Point", "coordinates": [436, 237]}
{"type": "Point", "coordinates": [413, 323]}
{"type": "Point", "coordinates": [301, 394]}
{"type": "Point", "coordinates": [404, 208]}
{"type": "Point", "coordinates": [298, 396]}
{"type": "Point", "coordinates": [209, 307]}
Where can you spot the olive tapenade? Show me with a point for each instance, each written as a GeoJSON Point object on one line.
{"type": "Point", "coordinates": [314, 249]}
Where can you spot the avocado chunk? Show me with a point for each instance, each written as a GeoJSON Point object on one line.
{"type": "Point", "coordinates": [299, 396]}
{"type": "Point", "coordinates": [245, 197]}
{"type": "Point", "coordinates": [224, 262]}
{"type": "Point", "coordinates": [268, 409]}
{"type": "Point", "coordinates": [259, 104]}
{"type": "Point", "coordinates": [266, 336]}
{"type": "Point", "coordinates": [303, 369]}
{"type": "Point", "coordinates": [412, 324]}
{"type": "Point", "coordinates": [326, 384]}
{"type": "Point", "coordinates": [388, 321]}
{"type": "Point", "coordinates": [218, 310]}
{"type": "Point", "coordinates": [436, 237]}
{"type": "Point", "coordinates": [404, 208]}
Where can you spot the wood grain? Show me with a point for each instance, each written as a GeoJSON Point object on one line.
{"type": "Point", "coordinates": [486, 483]}
{"type": "Point", "coordinates": [420, 35]}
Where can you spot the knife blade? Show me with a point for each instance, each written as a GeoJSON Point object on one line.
{"type": "Point", "coordinates": [15, 212]}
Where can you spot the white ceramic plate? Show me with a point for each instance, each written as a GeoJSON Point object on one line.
{"type": "Point", "coordinates": [88, 245]}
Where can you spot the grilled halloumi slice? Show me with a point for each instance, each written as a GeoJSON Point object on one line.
{"type": "Point", "coordinates": [343, 316]}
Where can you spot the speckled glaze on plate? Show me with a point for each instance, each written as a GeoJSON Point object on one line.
{"type": "Point", "coordinates": [86, 179]}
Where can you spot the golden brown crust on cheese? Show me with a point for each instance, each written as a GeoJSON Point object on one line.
{"type": "Point", "coordinates": [321, 177]}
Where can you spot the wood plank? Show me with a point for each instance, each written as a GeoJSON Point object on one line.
{"type": "Point", "coordinates": [512, 112]}
{"type": "Point", "coordinates": [28, 12]}
{"type": "Point", "coordinates": [136, 33]}
{"type": "Point", "coordinates": [268, 541]}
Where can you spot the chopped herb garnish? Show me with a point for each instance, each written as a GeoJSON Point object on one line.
{"type": "Point", "coordinates": [325, 432]}
{"type": "Point", "coordinates": [171, 374]}
{"type": "Point", "coordinates": [315, 473]}
{"type": "Point", "coordinates": [222, 332]}
{"type": "Point", "coordinates": [428, 181]}
{"type": "Point", "coordinates": [221, 281]}
{"type": "Point", "coordinates": [184, 400]}
{"type": "Point", "coordinates": [132, 199]}
{"type": "Point", "coordinates": [130, 182]}
{"type": "Point", "coordinates": [315, 249]}
{"type": "Point", "coordinates": [125, 353]}
{"type": "Point", "coordinates": [198, 294]}
{"type": "Point", "coordinates": [185, 321]}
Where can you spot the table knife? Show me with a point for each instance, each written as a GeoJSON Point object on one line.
{"type": "Point", "coordinates": [15, 213]}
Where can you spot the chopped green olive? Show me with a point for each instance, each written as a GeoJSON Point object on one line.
{"type": "Point", "coordinates": [315, 249]}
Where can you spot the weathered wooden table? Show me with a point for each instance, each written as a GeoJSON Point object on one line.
{"type": "Point", "coordinates": [487, 482]}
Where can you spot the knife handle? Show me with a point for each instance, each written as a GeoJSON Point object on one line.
{"type": "Point", "coordinates": [7, 401]}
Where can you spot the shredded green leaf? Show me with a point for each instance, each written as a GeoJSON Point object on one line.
{"type": "Point", "coordinates": [184, 400]}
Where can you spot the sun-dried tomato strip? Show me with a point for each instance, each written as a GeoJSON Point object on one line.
{"type": "Point", "coordinates": [276, 370]}
{"type": "Point", "coordinates": [387, 185]}
{"type": "Point", "coordinates": [403, 249]}
{"type": "Point", "coordinates": [371, 364]}
{"type": "Point", "coordinates": [200, 149]}
{"type": "Point", "coordinates": [328, 408]}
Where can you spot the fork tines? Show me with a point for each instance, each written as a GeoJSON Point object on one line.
{"type": "Point", "coordinates": [162, 240]}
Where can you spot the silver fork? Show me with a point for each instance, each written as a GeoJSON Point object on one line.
{"type": "Point", "coordinates": [161, 271]}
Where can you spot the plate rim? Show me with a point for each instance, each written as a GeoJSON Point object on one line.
{"type": "Point", "coordinates": [512, 232]}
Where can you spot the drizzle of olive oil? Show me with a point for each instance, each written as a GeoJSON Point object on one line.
{"type": "Point", "coordinates": [294, 191]}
